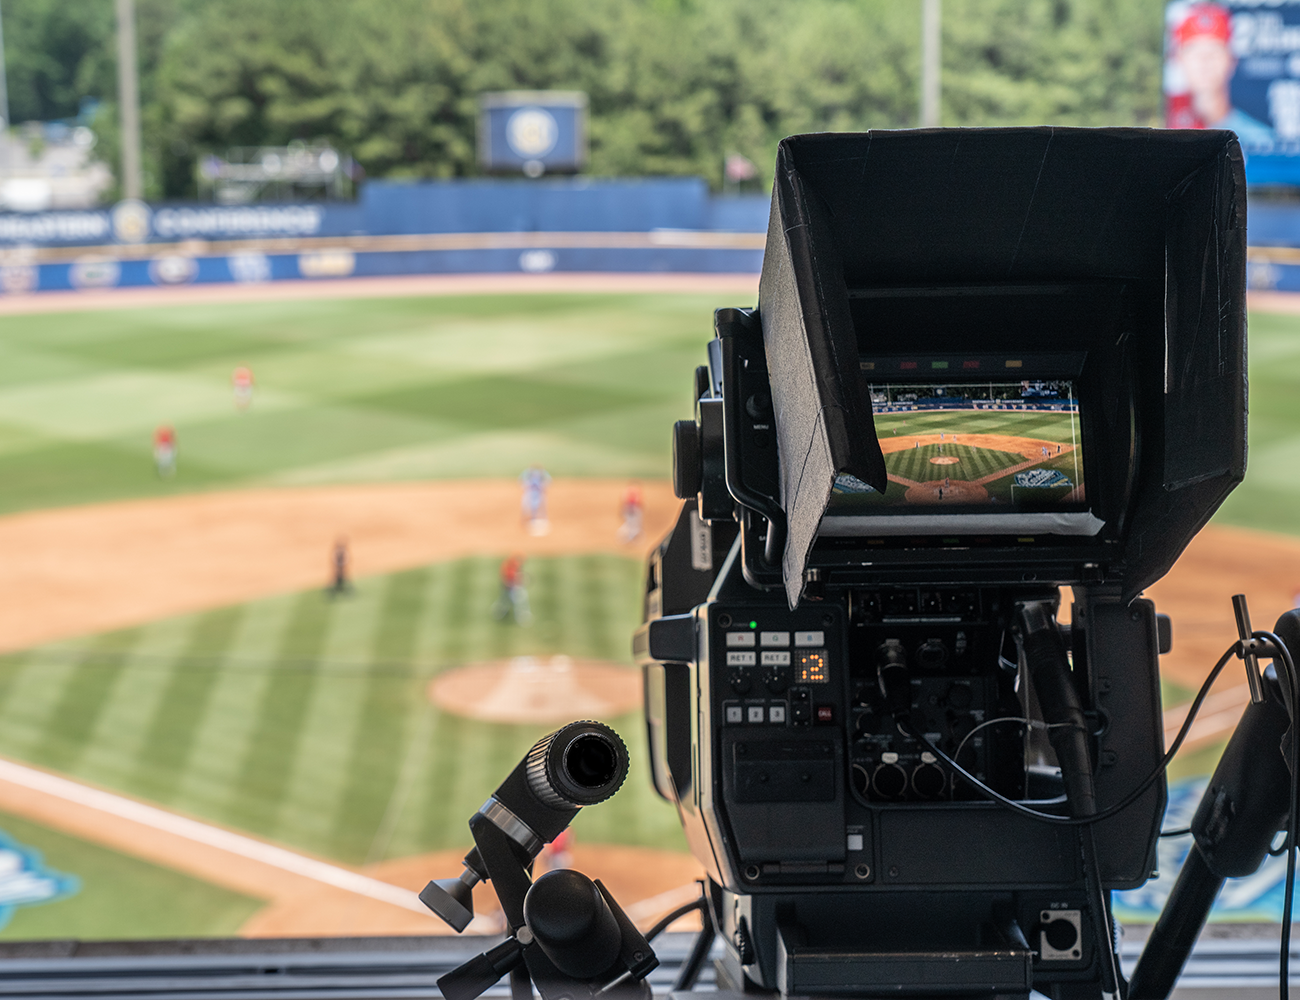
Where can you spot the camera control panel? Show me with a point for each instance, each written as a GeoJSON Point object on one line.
{"type": "Point", "coordinates": [825, 674]}
{"type": "Point", "coordinates": [776, 677]}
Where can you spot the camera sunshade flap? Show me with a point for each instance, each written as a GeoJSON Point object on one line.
{"type": "Point", "coordinates": [1161, 212]}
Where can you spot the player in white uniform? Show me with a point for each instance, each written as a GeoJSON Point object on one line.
{"type": "Point", "coordinates": [535, 480]}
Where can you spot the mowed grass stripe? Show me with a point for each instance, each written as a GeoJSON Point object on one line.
{"type": "Point", "coordinates": [81, 700]}
{"type": "Point", "coordinates": [210, 778]}
{"type": "Point", "coordinates": [313, 725]}
{"type": "Point", "coordinates": [181, 703]}
{"type": "Point", "coordinates": [36, 684]}
{"type": "Point", "coordinates": [264, 771]}
{"type": "Point", "coordinates": [379, 741]}
{"type": "Point", "coordinates": [318, 773]}
{"type": "Point", "coordinates": [417, 794]}
{"type": "Point", "coordinates": [120, 739]}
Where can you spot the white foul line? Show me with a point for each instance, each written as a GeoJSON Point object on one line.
{"type": "Point", "coordinates": [212, 836]}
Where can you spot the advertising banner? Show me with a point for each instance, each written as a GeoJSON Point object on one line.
{"type": "Point", "coordinates": [1235, 64]}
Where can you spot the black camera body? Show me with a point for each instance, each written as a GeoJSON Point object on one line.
{"type": "Point", "coordinates": [985, 365]}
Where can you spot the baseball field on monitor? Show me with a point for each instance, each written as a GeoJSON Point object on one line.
{"type": "Point", "coordinates": [993, 447]}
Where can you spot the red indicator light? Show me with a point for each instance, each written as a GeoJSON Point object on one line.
{"type": "Point", "coordinates": [906, 364]}
{"type": "Point", "coordinates": [825, 713]}
{"type": "Point", "coordinates": [970, 364]}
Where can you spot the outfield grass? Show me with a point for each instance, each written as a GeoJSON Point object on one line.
{"type": "Point", "coordinates": [350, 390]}
{"type": "Point", "coordinates": [1267, 500]}
{"type": "Point", "coordinates": [408, 388]}
{"type": "Point", "coordinates": [120, 896]}
{"type": "Point", "coordinates": [1042, 424]}
{"type": "Point", "coordinates": [306, 720]}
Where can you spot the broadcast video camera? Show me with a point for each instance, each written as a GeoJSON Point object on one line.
{"type": "Point", "coordinates": [985, 365]}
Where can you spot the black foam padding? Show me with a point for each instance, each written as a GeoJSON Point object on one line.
{"type": "Point", "coordinates": [966, 206]}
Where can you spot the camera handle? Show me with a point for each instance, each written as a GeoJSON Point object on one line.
{"type": "Point", "coordinates": [1049, 672]}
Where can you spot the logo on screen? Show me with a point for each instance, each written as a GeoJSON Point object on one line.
{"type": "Point", "coordinates": [532, 132]}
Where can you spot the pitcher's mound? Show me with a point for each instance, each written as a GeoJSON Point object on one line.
{"type": "Point", "coordinates": [945, 460]}
{"type": "Point", "coordinates": [538, 689]}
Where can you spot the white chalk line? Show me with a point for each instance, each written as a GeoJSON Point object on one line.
{"type": "Point", "coordinates": [212, 836]}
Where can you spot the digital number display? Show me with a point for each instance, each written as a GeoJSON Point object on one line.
{"type": "Point", "coordinates": [811, 667]}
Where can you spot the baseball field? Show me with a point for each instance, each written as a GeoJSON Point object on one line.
{"type": "Point", "coordinates": [967, 456]}
{"type": "Point", "coordinates": [169, 646]}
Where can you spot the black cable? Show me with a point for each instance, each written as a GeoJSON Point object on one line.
{"type": "Point", "coordinates": [690, 970]}
{"type": "Point", "coordinates": [1280, 654]}
{"type": "Point", "coordinates": [1182, 831]}
{"type": "Point", "coordinates": [677, 914]}
{"type": "Point", "coordinates": [906, 727]}
{"type": "Point", "coordinates": [1293, 814]}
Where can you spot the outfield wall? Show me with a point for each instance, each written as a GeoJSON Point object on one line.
{"type": "Point", "coordinates": [446, 227]}
{"type": "Point", "coordinates": [449, 227]}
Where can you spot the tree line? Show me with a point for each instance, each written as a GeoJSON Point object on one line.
{"type": "Point", "coordinates": [674, 86]}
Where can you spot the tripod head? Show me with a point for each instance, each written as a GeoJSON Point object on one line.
{"type": "Point", "coordinates": [566, 933]}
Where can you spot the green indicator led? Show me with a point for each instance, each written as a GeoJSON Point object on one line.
{"type": "Point", "coordinates": [938, 364]}
{"type": "Point", "coordinates": [753, 624]}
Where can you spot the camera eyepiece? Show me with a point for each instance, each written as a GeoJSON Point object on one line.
{"type": "Point", "coordinates": [579, 765]}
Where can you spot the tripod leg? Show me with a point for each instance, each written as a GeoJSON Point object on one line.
{"type": "Point", "coordinates": [521, 987]}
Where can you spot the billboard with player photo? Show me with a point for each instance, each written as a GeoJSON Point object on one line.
{"type": "Point", "coordinates": [1235, 64]}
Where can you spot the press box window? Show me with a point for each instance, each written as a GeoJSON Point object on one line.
{"type": "Point", "coordinates": [811, 667]}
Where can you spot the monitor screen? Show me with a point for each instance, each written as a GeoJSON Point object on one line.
{"type": "Point", "coordinates": [977, 448]}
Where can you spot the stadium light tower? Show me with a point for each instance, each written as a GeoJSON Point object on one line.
{"type": "Point", "coordinates": [931, 47]}
{"type": "Point", "coordinates": [4, 87]}
{"type": "Point", "coordinates": [128, 95]}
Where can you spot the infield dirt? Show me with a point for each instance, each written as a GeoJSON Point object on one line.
{"type": "Point", "coordinates": [77, 570]}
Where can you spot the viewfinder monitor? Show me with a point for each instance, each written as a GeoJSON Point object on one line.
{"type": "Point", "coordinates": [1003, 454]}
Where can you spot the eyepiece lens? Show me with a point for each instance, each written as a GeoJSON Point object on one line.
{"type": "Point", "coordinates": [591, 761]}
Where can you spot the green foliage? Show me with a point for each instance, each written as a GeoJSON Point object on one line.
{"type": "Point", "coordinates": [1052, 62]}
{"type": "Point", "coordinates": [56, 52]}
{"type": "Point", "coordinates": [674, 85]}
